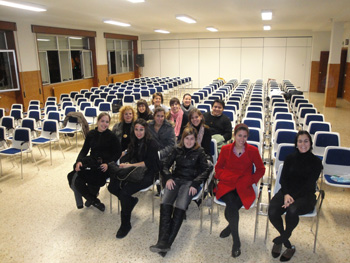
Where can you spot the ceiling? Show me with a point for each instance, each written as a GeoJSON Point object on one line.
{"type": "Point", "coordinates": [225, 15]}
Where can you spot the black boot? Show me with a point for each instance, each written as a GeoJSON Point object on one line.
{"type": "Point", "coordinates": [164, 229]}
{"type": "Point", "coordinates": [176, 223]}
{"type": "Point", "coordinates": [125, 226]}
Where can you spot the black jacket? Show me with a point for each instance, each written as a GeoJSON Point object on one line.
{"type": "Point", "coordinates": [191, 165]}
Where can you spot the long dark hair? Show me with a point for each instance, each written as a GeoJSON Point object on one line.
{"type": "Point", "coordinates": [143, 102]}
{"type": "Point", "coordinates": [134, 141]}
{"type": "Point", "coordinates": [302, 132]}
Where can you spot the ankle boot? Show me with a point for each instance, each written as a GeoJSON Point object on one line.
{"type": "Point", "coordinates": [176, 223]}
{"type": "Point", "coordinates": [125, 226]}
{"type": "Point", "coordinates": [164, 229]}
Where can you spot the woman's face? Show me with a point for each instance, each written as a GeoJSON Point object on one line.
{"type": "Point", "coordinates": [103, 124]}
{"type": "Point", "coordinates": [141, 108]}
{"type": "Point", "coordinates": [303, 143]}
{"type": "Point", "coordinates": [175, 107]}
{"type": "Point", "coordinates": [241, 138]}
{"type": "Point", "coordinates": [187, 100]}
{"type": "Point", "coordinates": [128, 116]}
{"type": "Point", "coordinates": [159, 118]}
{"type": "Point", "coordinates": [157, 101]}
{"type": "Point", "coordinates": [189, 141]}
{"type": "Point", "coordinates": [196, 119]}
{"type": "Point", "coordinates": [139, 131]}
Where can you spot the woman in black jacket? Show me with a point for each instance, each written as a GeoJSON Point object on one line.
{"type": "Point", "coordinates": [104, 148]}
{"type": "Point", "coordinates": [142, 151]}
{"type": "Point", "coordinates": [296, 197]}
{"type": "Point", "coordinates": [182, 184]}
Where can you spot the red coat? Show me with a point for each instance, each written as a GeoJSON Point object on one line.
{"type": "Point", "coordinates": [236, 173]}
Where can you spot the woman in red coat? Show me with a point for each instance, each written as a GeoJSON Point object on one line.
{"type": "Point", "coordinates": [234, 172]}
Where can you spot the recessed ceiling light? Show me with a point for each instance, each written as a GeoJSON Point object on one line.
{"type": "Point", "coordinates": [185, 18]}
{"type": "Point", "coordinates": [266, 27]}
{"type": "Point", "coordinates": [25, 6]}
{"type": "Point", "coordinates": [136, 1]}
{"type": "Point", "coordinates": [266, 15]}
{"type": "Point", "coordinates": [212, 29]}
{"type": "Point", "coordinates": [75, 37]}
{"type": "Point", "coordinates": [161, 31]}
{"type": "Point", "coordinates": [43, 39]}
{"type": "Point", "coordinates": [116, 23]}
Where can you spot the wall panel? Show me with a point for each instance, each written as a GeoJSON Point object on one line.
{"type": "Point", "coordinates": [273, 63]}
{"type": "Point", "coordinates": [208, 65]}
{"type": "Point", "coordinates": [189, 65]}
{"type": "Point", "coordinates": [169, 62]}
{"type": "Point", "coordinates": [251, 63]}
{"type": "Point", "coordinates": [152, 62]}
{"type": "Point", "coordinates": [230, 63]}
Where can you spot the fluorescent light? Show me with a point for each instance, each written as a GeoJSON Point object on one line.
{"type": "Point", "coordinates": [161, 31]}
{"type": "Point", "coordinates": [26, 6]}
{"type": "Point", "coordinates": [212, 29]}
{"type": "Point", "coordinates": [266, 15]}
{"type": "Point", "coordinates": [136, 1]}
{"type": "Point", "coordinates": [185, 18]}
{"type": "Point", "coordinates": [116, 23]}
{"type": "Point", "coordinates": [43, 39]}
{"type": "Point", "coordinates": [75, 37]}
{"type": "Point", "coordinates": [266, 27]}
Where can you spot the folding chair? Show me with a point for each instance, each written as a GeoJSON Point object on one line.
{"type": "Point", "coordinates": [336, 166]}
{"type": "Point", "coordinates": [21, 143]}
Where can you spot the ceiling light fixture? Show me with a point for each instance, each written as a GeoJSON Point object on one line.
{"type": "Point", "coordinates": [75, 37]}
{"type": "Point", "coordinates": [25, 6]}
{"type": "Point", "coordinates": [136, 1]}
{"type": "Point", "coordinates": [267, 27]}
{"type": "Point", "coordinates": [212, 29]}
{"type": "Point", "coordinates": [187, 19]}
{"type": "Point", "coordinates": [161, 31]}
{"type": "Point", "coordinates": [43, 39]}
{"type": "Point", "coordinates": [266, 15]}
{"type": "Point", "coordinates": [116, 23]}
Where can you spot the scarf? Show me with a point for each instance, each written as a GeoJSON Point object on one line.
{"type": "Point", "coordinates": [177, 119]}
{"type": "Point", "coordinates": [200, 130]}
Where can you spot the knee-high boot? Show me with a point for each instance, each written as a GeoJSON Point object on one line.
{"type": "Point", "coordinates": [164, 229]}
{"type": "Point", "coordinates": [128, 205]}
{"type": "Point", "coordinates": [176, 223]}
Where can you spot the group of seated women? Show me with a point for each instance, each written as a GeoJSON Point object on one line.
{"type": "Point", "coordinates": [146, 139]}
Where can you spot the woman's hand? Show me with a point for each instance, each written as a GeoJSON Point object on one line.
{"type": "Point", "coordinates": [77, 166]}
{"type": "Point", "coordinates": [288, 200]}
{"type": "Point", "coordinates": [104, 167]}
{"type": "Point", "coordinates": [192, 191]}
{"type": "Point", "coordinates": [170, 184]}
{"type": "Point", "coordinates": [124, 165]}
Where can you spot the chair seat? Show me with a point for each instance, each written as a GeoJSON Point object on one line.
{"type": "Point", "coordinates": [334, 182]}
{"type": "Point", "coordinates": [40, 140]}
{"type": "Point", "coordinates": [68, 130]}
{"type": "Point", "coordinates": [10, 151]}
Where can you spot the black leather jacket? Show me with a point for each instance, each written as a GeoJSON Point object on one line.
{"type": "Point", "coordinates": [190, 164]}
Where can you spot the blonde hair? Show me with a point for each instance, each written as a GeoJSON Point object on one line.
{"type": "Point", "coordinates": [122, 111]}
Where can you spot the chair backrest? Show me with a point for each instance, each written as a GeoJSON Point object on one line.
{"type": "Point", "coordinates": [50, 130]}
{"type": "Point", "coordinates": [324, 139]}
{"type": "Point", "coordinates": [98, 101]}
{"type": "Point", "coordinates": [83, 105]}
{"type": "Point", "coordinates": [336, 162]}
{"type": "Point", "coordinates": [3, 138]}
{"type": "Point", "coordinates": [35, 114]}
{"type": "Point", "coordinates": [22, 139]}
{"type": "Point", "coordinates": [312, 117]}
{"type": "Point", "coordinates": [88, 94]}
{"type": "Point", "coordinates": [8, 122]}
{"type": "Point", "coordinates": [51, 99]}
{"type": "Point", "coordinates": [254, 108]}
{"type": "Point", "coordinates": [283, 150]}
{"type": "Point", "coordinates": [16, 114]}
{"type": "Point", "coordinates": [54, 115]}
{"type": "Point", "coordinates": [2, 112]}
{"type": "Point", "coordinates": [278, 178]}
{"type": "Point", "coordinates": [253, 123]}
{"type": "Point", "coordinates": [283, 116]}
{"type": "Point", "coordinates": [66, 104]}
{"type": "Point", "coordinates": [80, 100]}
{"type": "Point", "coordinates": [254, 114]}
{"type": "Point", "coordinates": [33, 107]}
{"type": "Point", "coordinates": [231, 115]}
{"type": "Point", "coordinates": [69, 109]}
{"type": "Point", "coordinates": [17, 106]}
{"type": "Point", "coordinates": [214, 150]}
{"type": "Point", "coordinates": [275, 110]}
{"type": "Point", "coordinates": [283, 136]}
{"type": "Point", "coordinates": [105, 107]}
{"type": "Point", "coordinates": [205, 107]}
{"type": "Point", "coordinates": [29, 123]}
{"type": "Point", "coordinates": [282, 124]}
{"type": "Point", "coordinates": [93, 97]}
{"type": "Point", "coordinates": [50, 103]}
{"type": "Point", "coordinates": [128, 100]}
{"type": "Point", "coordinates": [34, 102]}
{"type": "Point", "coordinates": [255, 135]}
{"type": "Point", "coordinates": [90, 114]}
{"type": "Point", "coordinates": [315, 126]}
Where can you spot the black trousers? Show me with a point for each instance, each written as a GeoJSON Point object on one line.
{"type": "Point", "coordinates": [233, 204]}
{"type": "Point", "coordinates": [301, 206]}
{"type": "Point", "coordinates": [125, 190]}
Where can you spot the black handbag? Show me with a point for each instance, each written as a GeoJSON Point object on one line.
{"type": "Point", "coordinates": [133, 174]}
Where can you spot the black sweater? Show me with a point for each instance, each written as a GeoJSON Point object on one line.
{"type": "Point", "coordinates": [219, 125]}
{"type": "Point", "coordinates": [102, 144]}
{"type": "Point", "coordinates": [300, 173]}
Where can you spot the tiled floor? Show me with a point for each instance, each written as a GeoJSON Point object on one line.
{"type": "Point", "coordinates": [40, 223]}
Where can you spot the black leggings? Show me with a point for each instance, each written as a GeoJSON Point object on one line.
{"type": "Point", "coordinates": [233, 204]}
{"type": "Point", "coordinates": [301, 206]}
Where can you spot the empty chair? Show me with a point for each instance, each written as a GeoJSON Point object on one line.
{"type": "Point", "coordinates": [105, 107]}
{"type": "Point", "coordinates": [275, 110]}
{"type": "Point", "coordinates": [30, 123]}
{"type": "Point", "coordinates": [48, 135]}
{"type": "Point", "coordinates": [2, 112]}
{"type": "Point", "coordinates": [54, 99]}
{"type": "Point", "coordinates": [93, 97]}
{"type": "Point", "coordinates": [312, 117]}
{"type": "Point", "coordinates": [303, 112]}
{"type": "Point", "coordinates": [231, 115]}
{"type": "Point", "coordinates": [80, 100]}
{"type": "Point", "coordinates": [254, 108]}
{"type": "Point", "coordinates": [3, 138]}
{"type": "Point", "coordinates": [315, 126]}
{"type": "Point", "coordinates": [36, 115]}
{"type": "Point", "coordinates": [128, 100]}
{"type": "Point", "coordinates": [283, 136]}
{"type": "Point", "coordinates": [283, 150]}
{"type": "Point", "coordinates": [90, 114]}
{"type": "Point", "coordinates": [253, 123]}
{"type": "Point", "coordinates": [69, 109]}
{"type": "Point", "coordinates": [255, 115]}
{"type": "Point", "coordinates": [17, 106]}
{"type": "Point", "coordinates": [98, 101]}
{"type": "Point", "coordinates": [9, 123]}
{"type": "Point", "coordinates": [17, 116]}
{"type": "Point", "coordinates": [282, 124]}
{"type": "Point", "coordinates": [72, 126]}
{"type": "Point", "coordinates": [336, 166]}
{"type": "Point", "coordinates": [205, 107]}
{"type": "Point", "coordinates": [21, 143]}
{"type": "Point", "coordinates": [88, 94]}
{"type": "Point", "coordinates": [322, 140]}
{"type": "Point", "coordinates": [282, 116]}
{"type": "Point", "coordinates": [83, 105]}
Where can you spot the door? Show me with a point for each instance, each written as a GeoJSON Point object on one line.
{"type": "Point", "coordinates": [322, 78]}
{"type": "Point", "coordinates": [344, 54]}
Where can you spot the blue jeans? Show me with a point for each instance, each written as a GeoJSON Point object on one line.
{"type": "Point", "coordinates": [180, 194]}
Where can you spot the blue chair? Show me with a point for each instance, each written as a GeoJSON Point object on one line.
{"type": "Point", "coordinates": [253, 123]}
{"type": "Point", "coordinates": [315, 126]}
{"type": "Point", "coordinates": [17, 116]}
{"type": "Point", "coordinates": [255, 115]}
{"type": "Point", "coordinates": [93, 97]}
{"type": "Point", "coordinates": [80, 100]}
{"type": "Point", "coordinates": [283, 150]}
{"type": "Point", "coordinates": [283, 136]}
{"type": "Point", "coordinates": [231, 115]}
{"type": "Point", "coordinates": [128, 100]}
{"type": "Point", "coordinates": [90, 114]}
{"type": "Point", "coordinates": [9, 123]}
{"type": "Point", "coordinates": [282, 124]}
{"type": "Point", "coordinates": [2, 112]}
{"type": "Point", "coordinates": [205, 107]}
{"type": "Point", "coordinates": [88, 94]}
{"type": "Point", "coordinates": [322, 140]}
{"type": "Point", "coordinates": [98, 101]}
{"type": "Point", "coordinates": [21, 143]}
{"type": "Point", "coordinates": [312, 117]}
{"type": "Point", "coordinates": [255, 135]}
{"type": "Point", "coordinates": [72, 127]}
{"type": "Point", "coordinates": [3, 138]}
{"type": "Point", "coordinates": [336, 166]}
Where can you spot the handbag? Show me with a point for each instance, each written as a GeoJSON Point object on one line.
{"type": "Point", "coordinates": [133, 174]}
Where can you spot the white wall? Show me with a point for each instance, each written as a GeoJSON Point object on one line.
{"type": "Point", "coordinates": [207, 59]}
{"type": "Point", "coordinates": [320, 42]}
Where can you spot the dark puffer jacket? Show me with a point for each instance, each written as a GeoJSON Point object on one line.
{"type": "Point", "coordinates": [190, 164]}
